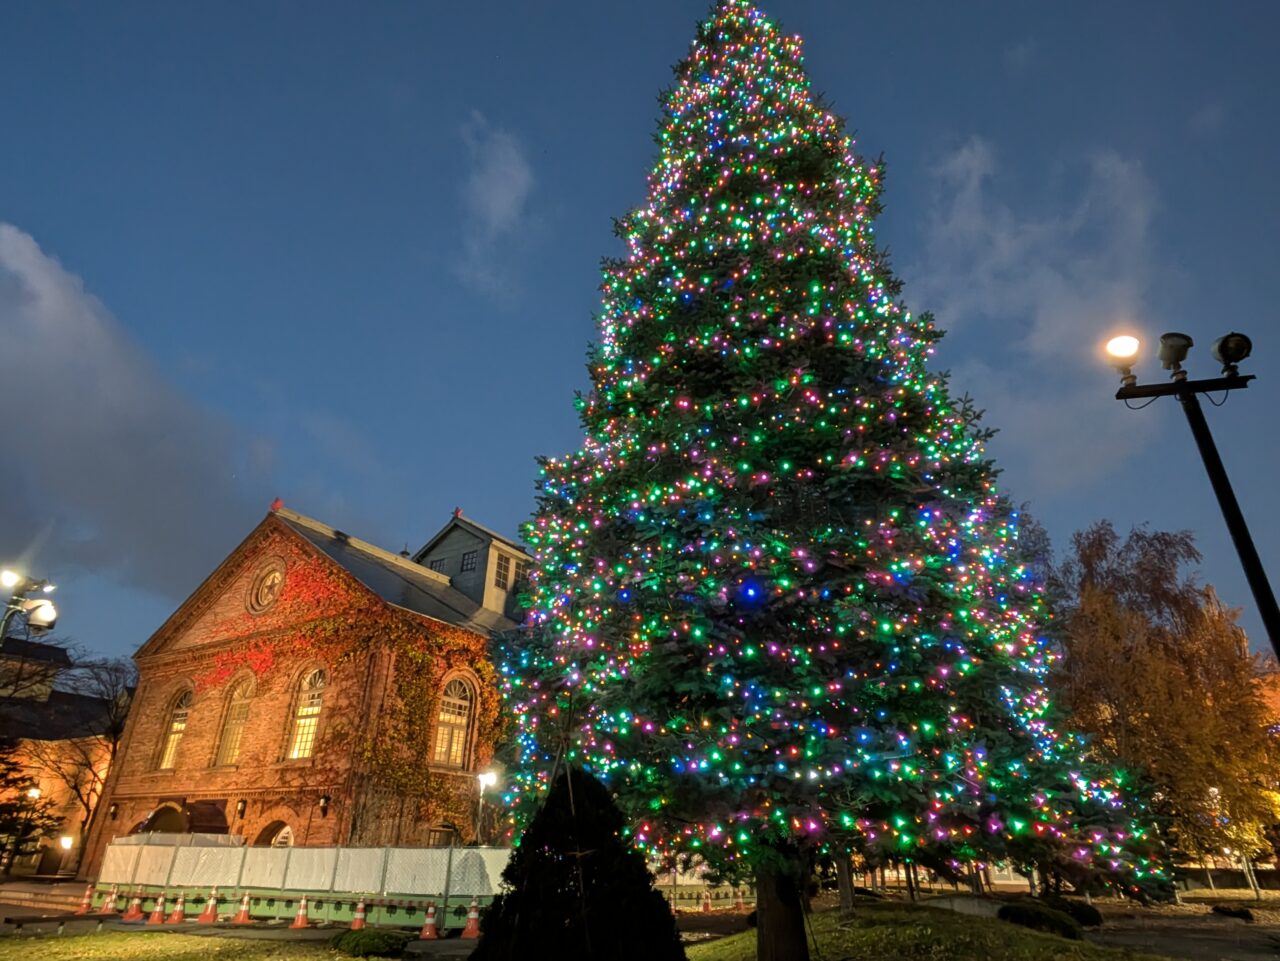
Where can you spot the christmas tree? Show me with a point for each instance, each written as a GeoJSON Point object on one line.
{"type": "Point", "coordinates": [778, 605]}
{"type": "Point", "coordinates": [576, 889]}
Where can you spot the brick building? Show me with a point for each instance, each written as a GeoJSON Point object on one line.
{"type": "Point", "coordinates": [318, 690]}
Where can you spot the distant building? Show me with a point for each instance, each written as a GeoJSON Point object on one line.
{"type": "Point", "coordinates": [63, 738]}
{"type": "Point", "coordinates": [318, 690]}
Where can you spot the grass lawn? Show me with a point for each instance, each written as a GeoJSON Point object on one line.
{"type": "Point", "coordinates": [881, 931]}
{"type": "Point", "coordinates": [146, 946]}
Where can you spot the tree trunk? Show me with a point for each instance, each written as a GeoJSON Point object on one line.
{"type": "Point", "coordinates": [1208, 876]}
{"type": "Point", "coordinates": [780, 931]}
{"type": "Point", "coordinates": [844, 876]}
{"type": "Point", "coordinates": [1253, 881]}
{"type": "Point", "coordinates": [911, 887]}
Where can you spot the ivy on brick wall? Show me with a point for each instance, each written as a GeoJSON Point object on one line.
{"type": "Point", "coordinates": [323, 615]}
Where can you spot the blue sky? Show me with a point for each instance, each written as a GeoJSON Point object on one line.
{"type": "Point", "coordinates": [347, 254]}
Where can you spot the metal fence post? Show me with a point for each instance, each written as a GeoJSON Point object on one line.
{"type": "Point", "coordinates": [448, 874]}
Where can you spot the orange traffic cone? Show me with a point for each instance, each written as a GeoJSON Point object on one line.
{"type": "Point", "coordinates": [109, 905]}
{"type": "Point", "coordinates": [706, 902]}
{"type": "Point", "coordinates": [179, 910]}
{"type": "Point", "coordinates": [243, 916]}
{"type": "Point", "coordinates": [210, 913]}
{"type": "Point", "coordinates": [301, 920]}
{"type": "Point", "coordinates": [86, 902]}
{"type": "Point", "coordinates": [135, 909]}
{"type": "Point", "coordinates": [739, 903]}
{"type": "Point", "coordinates": [429, 932]}
{"type": "Point", "coordinates": [157, 915]}
{"type": "Point", "coordinates": [472, 930]}
{"type": "Point", "coordinates": [357, 923]}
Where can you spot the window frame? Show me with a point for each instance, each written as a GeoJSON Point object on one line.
{"type": "Point", "coordinates": [310, 722]}
{"type": "Point", "coordinates": [451, 740]}
{"type": "Point", "coordinates": [234, 705]}
{"type": "Point", "coordinates": [502, 572]}
{"type": "Point", "coordinates": [470, 560]}
{"type": "Point", "coordinates": [437, 564]}
{"type": "Point", "coordinates": [171, 739]}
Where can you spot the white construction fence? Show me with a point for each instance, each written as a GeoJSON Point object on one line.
{"type": "Point", "coordinates": [186, 861]}
{"type": "Point", "coordinates": [396, 884]}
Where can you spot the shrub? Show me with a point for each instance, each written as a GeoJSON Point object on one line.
{"type": "Point", "coordinates": [1086, 915]}
{"type": "Point", "coordinates": [1231, 911]}
{"type": "Point", "coordinates": [1041, 918]}
{"type": "Point", "coordinates": [371, 943]}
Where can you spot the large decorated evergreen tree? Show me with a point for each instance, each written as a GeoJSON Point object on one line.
{"type": "Point", "coordinates": [778, 605]}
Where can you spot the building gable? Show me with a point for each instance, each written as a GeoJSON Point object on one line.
{"type": "Point", "coordinates": [262, 586]}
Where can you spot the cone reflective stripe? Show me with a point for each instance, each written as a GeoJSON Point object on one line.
{"type": "Point", "coordinates": [472, 930]}
{"type": "Point", "coordinates": [357, 923]}
{"type": "Point", "coordinates": [135, 909]}
{"type": "Point", "coordinates": [706, 902]}
{"type": "Point", "coordinates": [738, 903]}
{"type": "Point", "coordinates": [86, 902]}
{"type": "Point", "coordinates": [242, 917]}
{"type": "Point", "coordinates": [210, 913]}
{"type": "Point", "coordinates": [157, 915]}
{"type": "Point", "coordinates": [179, 910]}
{"type": "Point", "coordinates": [301, 920]}
{"type": "Point", "coordinates": [109, 905]}
{"type": "Point", "coordinates": [429, 932]}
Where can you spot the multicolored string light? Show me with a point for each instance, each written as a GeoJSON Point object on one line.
{"type": "Point", "coordinates": [778, 601]}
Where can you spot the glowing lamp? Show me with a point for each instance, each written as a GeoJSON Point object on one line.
{"type": "Point", "coordinates": [9, 578]}
{"type": "Point", "coordinates": [41, 615]}
{"type": "Point", "coordinates": [487, 779]}
{"type": "Point", "coordinates": [65, 841]}
{"type": "Point", "coordinates": [1123, 351]}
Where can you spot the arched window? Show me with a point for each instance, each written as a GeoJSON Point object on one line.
{"type": "Point", "coordinates": [233, 726]}
{"type": "Point", "coordinates": [453, 724]}
{"type": "Point", "coordinates": [177, 724]}
{"type": "Point", "coordinates": [306, 715]}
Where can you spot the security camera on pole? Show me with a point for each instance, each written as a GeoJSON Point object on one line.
{"type": "Point", "coordinates": [1228, 351]}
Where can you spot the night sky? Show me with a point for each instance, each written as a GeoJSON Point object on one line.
{"type": "Point", "coordinates": [347, 254]}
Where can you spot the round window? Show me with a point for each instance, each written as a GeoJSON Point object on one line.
{"type": "Point", "coordinates": [266, 585]}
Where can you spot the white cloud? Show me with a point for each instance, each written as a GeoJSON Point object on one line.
{"type": "Point", "coordinates": [1029, 297]}
{"type": "Point", "coordinates": [106, 466]}
{"type": "Point", "coordinates": [495, 200]}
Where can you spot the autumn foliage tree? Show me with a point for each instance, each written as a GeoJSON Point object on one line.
{"type": "Point", "coordinates": [1157, 671]}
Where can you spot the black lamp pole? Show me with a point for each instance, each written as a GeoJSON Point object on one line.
{"type": "Point", "coordinates": [1186, 391]}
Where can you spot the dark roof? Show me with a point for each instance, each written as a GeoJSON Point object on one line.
{"type": "Point", "coordinates": [16, 647]}
{"type": "Point", "coordinates": [64, 715]}
{"type": "Point", "coordinates": [397, 580]}
{"type": "Point", "coordinates": [458, 520]}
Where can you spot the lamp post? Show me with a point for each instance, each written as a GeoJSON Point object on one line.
{"type": "Point", "coordinates": [39, 611]}
{"type": "Point", "coordinates": [1228, 351]}
{"type": "Point", "coordinates": [486, 779]}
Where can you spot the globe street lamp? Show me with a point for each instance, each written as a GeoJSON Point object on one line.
{"type": "Point", "coordinates": [39, 612]}
{"type": "Point", "coordinates": [1229, 351]}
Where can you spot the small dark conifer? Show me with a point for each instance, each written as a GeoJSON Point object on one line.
{"type": "Point", "coordinates": [576, 890]}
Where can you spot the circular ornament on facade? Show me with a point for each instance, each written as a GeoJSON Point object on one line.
{"type": "Point", "coordinates": [265, 587]}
